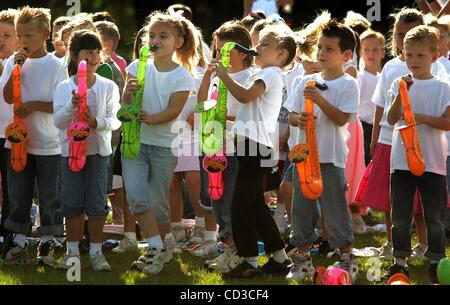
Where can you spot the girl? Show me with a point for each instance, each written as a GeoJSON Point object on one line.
{"type": "Point", "coordinates": [84, 192]}
{"type": "Point", "coordinates": [167, 87]}
{"type": "Point", "coordinates": [261, 103]}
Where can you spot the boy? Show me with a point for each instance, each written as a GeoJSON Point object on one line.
{"type": "Point", "coordinates": [334, 108]}
{"type": "Point", "coordinates": [58, 44]}
{"type": "Point", "coordinates": [43, 146]}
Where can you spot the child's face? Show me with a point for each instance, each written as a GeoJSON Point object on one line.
{"type": "Point", "coordinates": [236, 58]}
{"type": "Point", "coordinates": [55, 31]}
{"type": "Point", "coordinates": [372, 51]}
{"type": "Point", "coordinates": [31, 37]}
{"type": "Point", "coordinates": [419, 58]}
{"type": "Point", "coordinates": [8, 40]}
{"type": "Point", "coordinates": [444, 42]}
{"type": "Point", "coordinates": [92, 58]}
{"type": "Point", "coordinates": [401, 29]}
{"type": "Point", "coordinates": [163, 36]}
{"type": "Point", "coordinates": [329, 53]}
{"type": "Point", "coordinates": [268, 52]}
{"type": "Point", "coordinates": [107, 45]}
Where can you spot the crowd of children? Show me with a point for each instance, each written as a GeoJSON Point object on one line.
{"type": "Point", "coordinates": [358, 120]}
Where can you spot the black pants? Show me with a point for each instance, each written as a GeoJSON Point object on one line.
{"type": "Point", "coordinates": [4, 159]}
{"type": "Point", "coordinates": [250, 216]}
{"type": "Point", "coordinates": [367, 128]}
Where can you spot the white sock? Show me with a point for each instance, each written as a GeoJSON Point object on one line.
{"type": "Point", "coordinates": [95, 249]}
{"type": "Point", "coordinates": [20, 240]}
{"type": "Point", "coordinates": [210, 235]}
{"type": "Point", "coordinates": [176, 224]}
{"type": "Point", "coordinates": [72, 247]}
{"type": "Point", "coordinates": [155, 242]}
{"type": "Point", "coordinates": [46, 238]}
{"type": "Point", "coordinates": [400, 261]}
{"type": "Point", "coordinates": [252, 261]}
{"type": "Point", "coordinates": [200, 221]}
{"type": "Point", "coordinates": [130, 235]}
{"type": "Point", "coordinates": [280, 210]}
{"type": "Point", "coordinates": [279, 256]}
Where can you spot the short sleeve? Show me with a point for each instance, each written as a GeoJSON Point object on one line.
{"type": "Point", "coordinates": [349, 98]}
{"type": "Point", "coordinates": [295, 99]}
{"type": "Point", "coordinates": [132, 68]}
{"type": "Point", "coordinates": [185, 82]}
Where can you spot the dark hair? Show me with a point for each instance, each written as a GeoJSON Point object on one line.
{"type": "Point", "coordinates": [187, 12]}
{"type": "Point", "coordinates": [347, 38]}
{"type": "Point", "coordinates": [61, 21]}
{"type": "Point", "coordinates": [234, 31]}
{"type": "Point", "coordinates": [82, 40]}
{"type": "Point", "coordinates": [103, 16]}
{"type": "Point", "coordinates": [108, 30]}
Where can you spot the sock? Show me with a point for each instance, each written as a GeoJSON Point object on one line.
{"type": "Point", "coordinates": [200, 221]}
{"type": "Point", "coordinates": [72, 247]}
{"type": "Point", "coordinates": [176, 224]}
{"type": "Point", "coordinates": [279, 256]}
{"type": "Point", "coordinates": [95, 249]}
{"type": "Point", "coordinates": [252, 261]}
{"type": "Point", "coordinates": [280, 210]}
{"type": "Point", "coordinates": [20, 240]}
{"type": "Point", "coordinates": [155, 242]}
{"type": "Point", "coordinates": [130, 235]}
{"type": "Point", "coordinates": [46, 238]}
{"type": "Point", "coordinates": [400, 261]}
{"type": "Point", "coordinates": [210, 236]}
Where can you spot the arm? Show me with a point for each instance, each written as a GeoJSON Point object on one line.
{"type": "Point", "coordinates": [376, 128]}
{"type": "Point", "coordinates": [395, 111]}
{"type": "Point", "coordinates": [63, 112]}
{"type": "Point", "coordinates": [202, 94]}
{"type": "Point", "coordinates": [442, 123]}
{"type": "Point", "coordinates": [110, 121]}
{"type": "Point", "coordinates": [8, 91]}
{"type": "Point", "coordinates": [176, 104]}
{"type": "Point", "coordinates": [242, 94]}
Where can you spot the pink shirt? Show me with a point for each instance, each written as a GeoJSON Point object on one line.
{"type": "Point", "coordinates": [119, 61]}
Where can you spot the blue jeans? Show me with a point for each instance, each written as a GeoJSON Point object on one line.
{"type": "Point", "coordinates": [433, 193]}
{"type": "Point", "coordinates": [147, 180]}
{"type": "Point", "coordinates": [85, 191]}
{"type": "Point", "coordinates": [44, 170]}
{"type": "Point", "coordinates": [331, 204]}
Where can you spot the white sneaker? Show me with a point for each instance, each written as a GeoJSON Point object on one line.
{"type": "Point", "coordinates": [198, 235]}
{"type": "Point", "coordinates": [207, 248]}
{"type": "Point", "coordinates": [302, 267]}
{"type": "Point", "coordinates": [99, 263]}
{"type": "Point", "coordinates": [126, 245]}
{"type": "Point", "coordinates": [225, 262]}
{"type": "Point", "coordinates": [386, 251]}
{"type": "Point", "coordinates": [65, 264]}
{"type": "Point", "coordinates": [359, 226]}
{"type": "Point", "coordinates": [419, 251]}
{"type": "Point", "coordinates": [179, 233]}
{"type": "Point", "coordinates": [156, 260]}
{"type": "Point", "coordinates": [350, 265]}
{"type": "Point", "coordinates": [172, 245]}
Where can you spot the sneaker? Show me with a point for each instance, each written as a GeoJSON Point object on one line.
{"type": "Point", "coordinates": [273, 267]}
{"type": "Point", "coordinates": [350, 265]}
{"type": "Point", "coordinates": [386, 251]}
{"type": "Point", "coordinates": [243, 270]}
{"type": "Point", "coordinates": [393, 269]}
{"type": "Point", "coordinates": [153, 261]}
{"type": "Point", "coordinates": [13, 254]}
{"type": "Point", "coordinates": [301, 268]}
{"type": "Point", "coordinates": [280, 221]}
{"type": "Point", "coordinates": [419, 251]}
{"type": "Point", "coordinates": [207, 248]}
{"type": "Point", "coordinates": [432, 273]}
{"type": "Point", "coordinates": [179, 233]}
{"type": "Point", "coordinates": [172, 245]}
{"type": "Point", "coordinates": [225, 262]}
{"type": "Point", "coordinates": [46, 253]}
{"type": "Point", "coordinates": [198, 235]}
{"type": "Point", "coordinates": [99, 263]}
{"type": "Point", "coordinates": [359, 226]}
{"type": "Point", "coordinates": [126, 245]}
{"type": "Point", "coordinates": [67, 261]}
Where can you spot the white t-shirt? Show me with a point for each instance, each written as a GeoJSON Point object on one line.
{"type": "Point", "coordinates": [367, 84]}
{"type": "Point", "coordinates": [6, 110]}
{"type": "Point", "coordinates": [342, 93]}
{"type": "Point", "coordinates": [103, 99]}
{"type": "Point", "coordinates": [159, 87]}
{"type": "Point", "coordinates": [40, 76]}
{"type": "Point", "coordinates": [446, 63]}
{"type": "Point", "coordinates": [393, 69]}
{"type": "Point", "coordinates": [257, 120]}
{"type": "Point", "coordinates": [429, 97]}
{"type": "Point", "coordinates": [288, 79]}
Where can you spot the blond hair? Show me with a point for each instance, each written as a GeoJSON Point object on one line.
{"type": "Point", "coordinates": [8, 16]}
{"type": "Point", "coordinates": [187, 54]}
{"type": "Point", "coordinates": [108, 30]}
{"type": "Point", "coordinates": [373, 34]}
{"type": "Point", "coordinates": [285, 40]}
{"type": "Point", "coordinates": [40, 16]}
{"type": "Point", "coordinates": [431, 20]}
{"type": "Point", "coordinates": [425, 35]}
{"type": "Point", "coordinates": [405, 15]}
{"type": "Point", "coordinates": [357, 22]}
{"type": "Point", "coordinates": [311, 33]}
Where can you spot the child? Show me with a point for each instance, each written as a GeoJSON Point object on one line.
{"type": "Point", "coordinates": [43, 147]}
{"type": "Point", "coordinates": [252, 17]}
{"type": "Point", "coordinates": [334, 108]}
{"type": "Point", "coordinates": [167, 87]}
{"type": "Point", "coordinates": [433, 118]}
{"type": "Point", "coordinates": [255, 121]}
{"type": "Point", "coordinates": [58, 44]}
{"type": "Point", "coordinates": [240, 72]}
{"type": "Point", "coordinates": [444, 40]}
{"type": "Point", "coordinates": [84, 192]}
{"type": "Point", "coordinates": [8, 43]}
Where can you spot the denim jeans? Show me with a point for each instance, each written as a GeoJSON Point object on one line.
{"type": "Point", "coordinates": [4, 159]}
{"type": "Point", "coordinates": [44, 170]}
{"type": "Point", "coordinates": [332, 205]}
{"type": "Point", "coordinates": [433, 193]}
